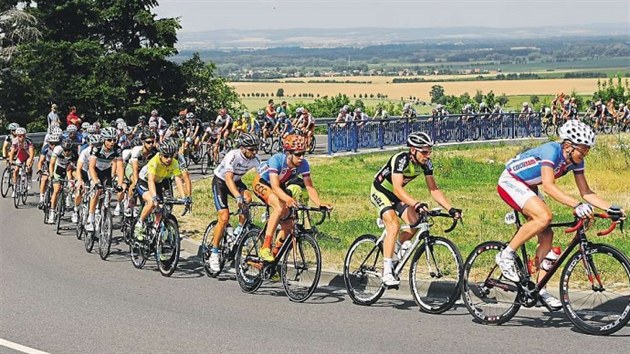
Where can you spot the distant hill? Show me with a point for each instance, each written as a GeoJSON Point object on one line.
{"type": "Point", "coordinates": [327, 38]}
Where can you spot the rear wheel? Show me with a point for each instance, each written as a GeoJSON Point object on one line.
{"type": "Point", "coordinates": [595, 291]}
{"type": "Point", "coordinates": [362, 270]}
{"type": "Point", "coordinates": [205, 161]}
{"type": "Point", "coordinates": [206, 249]}
{"type": "Point", "coordinates": [301, 268]}
{"type": "Point", "coordinates": [88, 240]}
{"type": "Point", "coordinates": [434, 275]}
{"type": "Point", "coordinates": [248, 265]}
{"type": "Point", "coordinates": [312, 145]}
{"type": "Point", "coordinates": [168, 247]}
{"type": "Point", "coordinates": [489, 297]}
{"type": "Point", "coordinates": [137, 251]}
{"type": "Point", "coordinates": [105, 237]}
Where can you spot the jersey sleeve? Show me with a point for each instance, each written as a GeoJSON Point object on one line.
{"type": "Point", "coordinates": [304, 169]}
{"type": "Point", "coordinates": [548, 155]}
{"type": "Point", "coordinates": [230, 159]}
{"type": "Point", "coordinates": [579, 169]}
{"type": "Point", "coordinates": [428, 168]}
{"type": "Point", "coordinates": [400, 163]}
{"type": "Point", "coordinates": [57, 151]}
{"type": "Point", "coordinates": [275, 164]}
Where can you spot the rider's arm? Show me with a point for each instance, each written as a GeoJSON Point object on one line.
{"type": "Point", "coordinates": [549, 184]}
{"type": "Point", "coordinates": [436, 193]}
{"type": "Point", "coordinates": [229, 181]}
{"type": "Point", "coordinates": [399, 190]}
{"type": "Point", "coordinates": [151, 184]}
{"type": "Point", "coordinates": [274, 180]}
{"type": "Point", "coordinates": [587, 194]}
{"type": "Point", "coordinates": [135, 166]}
{"type": "Point", "coordinates": [79, 168]}
{"type": "Point", "coordinates": [11, 153]}
{"type": "Point", "coordinates": [179, 182]}
{"type": "Point", "coordinates": [92, 169]}
{"type": "Point", "coordinates": [31, 155]}
{"type": "Point", "coordinates": [312, 192]}
{"type": "Point", "coordinates": [51, 165]}
{"type": "Point", "coordinates": [120, 171]}
{"type": "Point", "coordinates": [40, 161]}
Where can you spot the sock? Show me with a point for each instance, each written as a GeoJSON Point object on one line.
{"type": "Point", "coordinates": [76, 209]}
{"type": "Point", "coordinates": [90, 217]}
{"type": "Point", "coordinates": [215, 250]}
{"type": "Point", "coordinates": [267, 243]}
{"type": "Point", "coordinates": [507, 252]}
{"type": "Point", "coordinates": [387, 266]}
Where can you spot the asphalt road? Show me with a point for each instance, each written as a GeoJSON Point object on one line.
{"type": "Point", "coordinates": [56, 298]}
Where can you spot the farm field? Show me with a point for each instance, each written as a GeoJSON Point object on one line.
{"type": "Point", "coordinates": [421, 89]}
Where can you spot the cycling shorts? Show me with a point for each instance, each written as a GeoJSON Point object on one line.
{"type": "Point", "coordinates": [220, 191]}
{"type": "Point", "coordinates": [515, 192]}
{"type": "Point", "coordinates": [384, 200]}
{"type": "Point", "coordinates": [105, 176]}
{"type": "Point", "coordinates": [143, 187]}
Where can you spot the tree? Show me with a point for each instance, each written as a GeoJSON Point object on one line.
{"type": "Point", "coordinates": [437, 94]}
{"type": "Point", "coordinates": [280, 92]}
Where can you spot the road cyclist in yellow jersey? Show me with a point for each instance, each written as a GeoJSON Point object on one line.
{"type": "Point", "coordinates": [389, 196]}
{"type": "Point", "coordinates": [152, 182]}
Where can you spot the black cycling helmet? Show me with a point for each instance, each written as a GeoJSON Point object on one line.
{"type": "Point", "coordinates": [167, 148]}
{"type": "Point", "coordinates": [248, 140]}
{"type": "Point", "coordinates": [67, 144]}
{"type": "Point", "coordinates": [147, 134]}
{"type": "Point", "coordinates": [419, 139]}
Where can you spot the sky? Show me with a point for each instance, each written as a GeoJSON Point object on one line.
{"type": "Point", "coordinates": [200, 15]}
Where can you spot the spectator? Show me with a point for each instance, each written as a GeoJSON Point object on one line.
{"type": "Point", "coordinates": [270, 111]}
{"type": "Point", "coordinates": [73, 118]}
{"type": "Point", "coordinates": [52, 117]}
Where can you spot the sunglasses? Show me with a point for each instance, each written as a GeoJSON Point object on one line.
{"type": "Point", "coordinates": [149, 142]}
{"type": "Point", "coordinates": [167, 156]}
{"type": "Point", "coordinates": [299, 154]}
{"type": "Point", "coordinates": [110, 140]}
{"type": "Point", "coordinates": [425, 152]}
{"type": "Point", "coordinates": [252, 149]}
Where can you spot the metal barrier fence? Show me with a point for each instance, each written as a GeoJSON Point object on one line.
{"type": "Point", "coordinates": [353, 136]}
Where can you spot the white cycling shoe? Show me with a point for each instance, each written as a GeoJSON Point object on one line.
{"type": "Point", "coordinates": [549, 301]}
{"type": "Point", "coordinates": [214, 262]}
{"type": "Point", "coordinates": [508, 267]}
{"type": "Point", "coordinates": [389, 280]}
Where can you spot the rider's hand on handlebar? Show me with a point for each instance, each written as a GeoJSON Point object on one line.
{"type": "Point", "coordinates": [324, 206]}
{"type": "Point", "coordinates": [583, 210]}
{"type": "Point", "coordinates": [421, 208]}
{"type": "Point", "coordinates": [455, 213]}
{"type": "Point", "coordinates": [188, 201]}
{"type": "Point", "coordinates": [240, 201]}
{"type": "Point", "coordinates": [616, 212]}
{"type": "Point", "coordinates": [292, 203]}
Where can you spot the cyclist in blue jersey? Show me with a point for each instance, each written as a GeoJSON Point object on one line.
{"type": "Point", "coordinates": [270, 187]}
{"type": "Point", "coordinates": [518, 187]}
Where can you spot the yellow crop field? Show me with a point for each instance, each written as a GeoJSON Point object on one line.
{"type": "Point", "coordinates": [420, 90]}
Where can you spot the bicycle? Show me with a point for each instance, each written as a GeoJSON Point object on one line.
{"type": "Point", "coordinates": [7, 180]}
{"type": "Point", "coordinates": [299, 260]}
{"type": "Point", "coordinates": [21, 188]}
{"type": "Point", "coordinates": [102, 223]}
{"type": "Point", "coordinates": [161, 238]}
{"type": "Point", "coordinates": [595, 295]}
{"type": "Point", "coordinates": [228, 243]}
{"type": "Point", "coordinates": [434, 274]}
{"type": "Point", "coordinates": [82, 215]}
{"type": "Point", "coordinates": [60, 208]}
{"type": "Point", "coordinates": [207, 157]}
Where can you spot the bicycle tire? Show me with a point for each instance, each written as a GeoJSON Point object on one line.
{"type": "Point", "coordinates": [88, 240]}
{"type": "Point", "coordinates": [168, 247]}
{"type": "Point", "coordinates": [312, 145]}
{"type": "Point", "coordinates": [267, 147]}
{"type": "Point", "coordinates": [276, 146]}
{"type": "Point", "coordinates": [6, 182]}
{"type": "Point", "coordinates": [435, 283]}
{"type": "Point", "coordinates": [362, 270]}
{"type": "Point", "coordinates": [482, 281]}
{"type": "Point", "coordinates": [301, 268]}
{"type": "Point", "coordinates": [206, 248]}
{"type": "Point", "coordinates": [612, 268]}
{"type": "Point", "coordinates": [79, 226]}
{"type": "Point", "coordinates": [205, 161]}
{"type": "Point", "coordinates": [59, 210]}
{"type": "Point", "coordinates": [105, 233]}
{"type": "Point", "coordinates": [248, 265]}
{"type": "Point", "coordinates": [18, 192]}
{"type": "Point", "coordinates": [137, 254]}
{"type": "Point", "coordinates": [24, 195]}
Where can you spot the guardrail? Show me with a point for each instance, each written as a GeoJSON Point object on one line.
{"type": "Point", "coordinates": [356, 135]}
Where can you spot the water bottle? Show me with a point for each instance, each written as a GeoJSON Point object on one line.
{"type": "Point", "coordinates": [229, 235]}
{"type": "Point", "coordinates": [403, 249]}
{"type": "Point", "coordinates": [551, 258]}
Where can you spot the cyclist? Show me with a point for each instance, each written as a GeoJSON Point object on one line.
{"type": "Point", "coordinates": [306, 124]}
{"type": "Point", "coordinates": [270, 111]}
{"type": "Point", "coordinates": [270, 187]}
{"type": "Point", "coordinates": [140, 156]}
{"type": "Point", "coordinates": [44, 160]}
{"type": "Point", "coordinates": [389, 196]}
{"type": "Point", "coordinates": [142, 125]}
{"type": "Point", "coordinates": [83, 163]}
{"type": "Point", "coordinates": [623, 115]}
{"type": "Point", "coordinates": [211, 135]}
{"type": "Point", "coordinates": [23, 151]}
{"type": "Point", "coordinates": [8, 140]}
{"type": "Point", "coordinates": [518, 187]}
{"type": "Point", "coordinates": [284, 126]}
{"type": "Point", "coordinates": [73, 135]}
{"type": "Point", "coordinates": [227, 180]}
{"type": "Point", "coordinates": [61, 165]}
{"type": "Point", "coordinates": [224, 121]}
{"type": "Point", "coordinates": [153, 178]}
{"type": "Point", "coordinates": [105, 161]}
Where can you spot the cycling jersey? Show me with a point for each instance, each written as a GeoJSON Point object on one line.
{"type": "Point", "coordinates": [194, 123]}
{"type": "Point", "coordinates": [62, 160]}
{"type": "Point", "coordinates": [84, 157]}
{"type": "Point", "coordinates": [278, 164]}
{"type": "Point", "coordinates": [22, 149]}
{"type": "Point", "coordinates": [77, 140]}
{"type": "Point", "coordinates": [222, 121]}
{"type": "Point", "coordinates": [527, 167]}
{"type": "Point", "coordinates": [47, 152]}
{"type": "Point", "coordinates": [105, 158]}
{"type": "Point", "coordinates": [401, 163]}
{"type": "Point", "coordinates": [235, 162]}
{"type": "Point", "coordinates": [160, 170]}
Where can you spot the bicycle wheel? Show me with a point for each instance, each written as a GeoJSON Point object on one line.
{"type": "Point", "coordinates": [88, 240]}
{"type": "Point", "coordinates": [488, 296]}
{"type": "Point", "coordinates": [434, 275]}
{"type": "Point", "coordinates": [168, 247]}
{"type": "Point", "coordinates": [312, 145]}
{"type": "Point", "coordinates": [248, 265]}
{"type": "Point", "coordinates": [6, 182]}
{"type": "Point", "coordinates": [267, 146]}
{"type": "Point", "coordinates": [105, 235]}
{"type": "Point", "coordinates": [25, 182]}
{"type": "Point", "coordinates": [205, 162]}
{"type": "Point", "coordinates": [206, 248]}
{"type": "Point", "coordinates": [276, 146]}
{"type": "Point", "coordinates": [80, 220]}
{"type": "Point", "coordinates": [59, 210]}
{"type": "Point", "coordinates": [17, 188]}
{"type": "Point", "coordinates": [362, 270]}
{"type": "Point", "coordinates": [138, 254]}
{"type": "Point", "coordinates": [595, 291]}
{"type": "Point", "coordinates": [301, 268]}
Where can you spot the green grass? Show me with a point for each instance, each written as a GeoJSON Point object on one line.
{"type": "Point", "coordinates": [467, 175]}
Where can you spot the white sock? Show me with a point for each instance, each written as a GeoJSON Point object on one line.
{"type": "Point", "coordinates": [507, 252]}
{"type": "Point", "coordinates": [90, 217]}
{"type": "Point", "coordinates": [387, 266]}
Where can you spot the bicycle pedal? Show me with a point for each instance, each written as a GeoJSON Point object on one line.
{"type": "Point", "coordinates": [392, 287]}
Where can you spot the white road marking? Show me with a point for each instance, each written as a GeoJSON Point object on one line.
{"type": "Point", "coordinates": [19, 347]}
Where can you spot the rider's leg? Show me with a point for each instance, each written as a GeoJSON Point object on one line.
{"type": "Point", "coordinates": [540, 217]}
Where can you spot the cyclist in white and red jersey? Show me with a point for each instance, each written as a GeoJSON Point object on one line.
{"type": "Point", "coordinates": [23, 151]}
{"type": "Point", "coordinates": [518, 187]}
{"type": "Point", "coordinates": [8, 140]}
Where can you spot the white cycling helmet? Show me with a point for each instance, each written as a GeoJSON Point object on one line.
{"type": "Point", "coordinates": [56, 130]}
{"type": "Point", "coordinates": [20, 131]}
{"type": "Point", "coordinates": [71, 128]}
{"type": "Point", "coordinates": [85, 125]}
{"type": "Point", "coordinates": [121, 125]}
{"type": "Point", "coordinates": [577, 133]}
{"type": "Point", "coordinates": [13, 126]}
{"type": "Point", "coordinates": [419, 139]}
{"type": "Point", "coordinates": [53, 138]}
{"type": "Point", "coordinates": [525, 104]}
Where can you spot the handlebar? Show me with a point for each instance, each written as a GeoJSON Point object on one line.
{"type": "Point", "coordinates": [579, 223]}
{"type": "Point", "coordinates": [323, 210]}
{"type": "Point", "coordinates": [182, 201]}
{"type": "Point", "coordinates": [439, 213]}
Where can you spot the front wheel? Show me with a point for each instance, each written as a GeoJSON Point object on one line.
{"type": "Point", "coordinates": [61, 200]}
{"type": "Point", "coordinates": [312, 145]}
{"type": "Point", "coordinates": [489, 297]}
{"type": "Point", "coordinates": [434, 275]}
{"type": "Point", "coordinates": [595, 290]}
{"type": "Point", "coordinates": [6, 182]}
{"type": "Point", "coordinates": [362, 270]}
{"type": "Point", "coordinates": [168, 247]}
{"type": "Point", "coordinates": [105, 237]}
{"type": "Point", "coordinates": [248, 265]}
{"type": "Point", "coordinates": [206, 249]}
{"type": "Point", "coordinates": [301, 268]}
{"type": "Point", "coordinates": [17, 193]}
